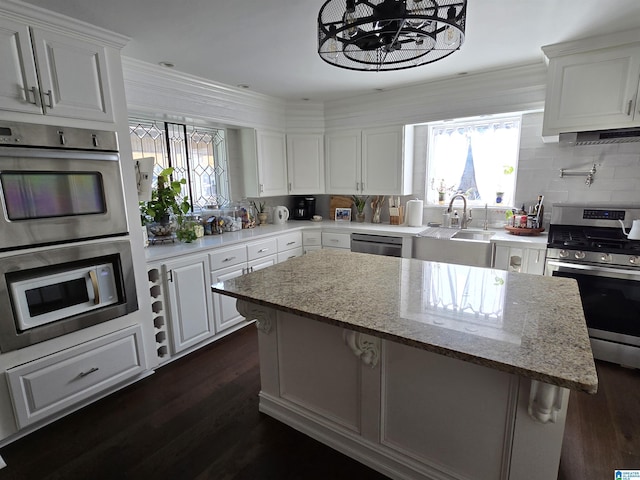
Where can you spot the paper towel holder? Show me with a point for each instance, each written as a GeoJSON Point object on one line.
{"type": "Point", "coordinates": [414, 212]}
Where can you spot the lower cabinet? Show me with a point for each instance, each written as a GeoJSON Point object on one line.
{"type": "Point", "coordinates": [54, 383]}
{"type": "Point", "coordinates": [190, 303]}
{"type": "Point", "coordinates": [519, 259]}
{"type": "Point", "coordinates": [336, 240]}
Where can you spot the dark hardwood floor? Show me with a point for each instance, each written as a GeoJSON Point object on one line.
{"type": "Point", "coordinates": [197, 418]}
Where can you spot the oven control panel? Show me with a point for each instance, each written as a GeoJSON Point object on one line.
{"type": "Point", "coordinates": [600, 214]}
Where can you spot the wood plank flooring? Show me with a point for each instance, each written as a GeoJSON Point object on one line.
{"type": "Point", "coordinates": [197, 418]}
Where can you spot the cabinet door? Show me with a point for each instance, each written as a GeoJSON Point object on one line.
{"type": "Point", "coordinates": [592, 90]}
{"type": "Point", "coordinates": [534, 261]}
{"type": "Point", "coordinates": [305, 162]}
{"type": "Point", "coordinates": [73, 77]}
{"type": "Point", "coordinates": [382, 167]}
{"type": "Point", "coordinates": [272, 164]}
{"type": "Point", "coordinates": [225, 311]}
{"type": "Point", "coordinates": [343, 162]}
{"type": "Point", "coordinates": [18, 80]}
{"type": "Point", "coordinates": [190, 301]}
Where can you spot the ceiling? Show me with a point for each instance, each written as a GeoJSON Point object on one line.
{"type": "Point", "coordinates": [270, 45]}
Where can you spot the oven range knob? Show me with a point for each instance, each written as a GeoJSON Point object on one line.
{"type": "Point", "coordinates": [606, 257]}
{"type": "Point", "coordinates": [564, 253]}
{"type": "Point", "coordinates": [635, 260]}
{"type": "Point", "coordinates": [580, 255]}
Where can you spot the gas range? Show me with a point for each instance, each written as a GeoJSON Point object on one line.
{"type": "Point", "coordinates": [587, 243]}
{"type": "Point", "coordinates": [593, 234]}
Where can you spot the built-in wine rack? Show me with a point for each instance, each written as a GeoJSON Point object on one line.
{"type": "Point", "coordinates": [158, 310]}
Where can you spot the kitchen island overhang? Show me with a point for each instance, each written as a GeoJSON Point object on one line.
{"type": "Point", "coordinates": [350, 341]}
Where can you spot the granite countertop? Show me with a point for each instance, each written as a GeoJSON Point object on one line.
{"type": "Point", "coordinates": [528, 325]}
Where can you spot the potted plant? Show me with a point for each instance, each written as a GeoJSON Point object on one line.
{"type": "Point", "coordinates": [360, 203]}
{"type": "Point", "coordinates": [164, 213]}
{"type": "Point", "coordinates": [260, 210]}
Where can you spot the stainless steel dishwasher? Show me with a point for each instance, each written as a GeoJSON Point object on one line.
{"type": "Point", "coordinates": [376, 244]}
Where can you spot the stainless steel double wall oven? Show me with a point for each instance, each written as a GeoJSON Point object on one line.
{"type": "Point", "coordinates": [587, 243]}
{"type": "Point", "coordinates": [66, 259]}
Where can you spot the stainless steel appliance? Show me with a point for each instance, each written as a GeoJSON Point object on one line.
{"type": "Point", "coordinates": [376, 244]}
{"type": "Point", "coordinates": [587, 243]}
{"type": "Point", "coordinates": [51, 292]}
{"type": "Point", "coordinates": [61, 197]}
{"type": "Point", "coordinates": [58, 185]}
{"type": "Point", "coordinates": [305, 208]}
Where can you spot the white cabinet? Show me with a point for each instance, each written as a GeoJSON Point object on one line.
{"type": "Point", "coordinates": [336, 240]}
{"type": "Point", "coordinates": [311, 240]}
{"type": "Point", "coordinates": [53, 383]}
{"type": "Point", "coordinates": [289, 246]}
{"type": "Point", "coordinates": [343, 162]}
{"type": "Point", "coordinates": [190, 300]}
{"type": "Point", "coordinates": [305, 163]}
{"type": "Point", "coordinates": [369, 162]}
{"type": "Point", "coordinates": [519, 259]}
{"type": "Point", "coordinates": [264, 163]}
{"type": "Point", "coordinates": [46, 72]}
{"type": "Point", "coordinates": [227, 263]}
{"type": "Point", "coordinates": [592, 89]}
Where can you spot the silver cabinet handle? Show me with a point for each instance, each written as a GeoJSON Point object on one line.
{"type": "Point", "coordinates": [48, 94]}
{"type": "Point", "coordinates": [88, 372]}
{"type": "Point", "coordinates": [289, 186]}
{"type": "Point", "coordinates": [291, 243]}
{"type": "Point", "coordinates": [263, 250]}
{"type": "Point", "coordinates": [629, 107]}
{"type": "Point", "coordinates": [357, 185]}
{"type": "Point", "coordinates": [36, 96]}
{"type": "Point", "coordinates": [228, 259]}
{"type": "Point", "coordinates": [170, 273]}
{"type": "Point", "coordinates": [94, 138]}
{"type": "Point", "coordinates": [261, 188]}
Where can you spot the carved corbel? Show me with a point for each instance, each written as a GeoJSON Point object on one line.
{"type": "Point", "coordinates": [545, 401]}
{"type": "Point", "coordinates": [264, 316]}
{"type": "Point", "coordinates": [365, 347]}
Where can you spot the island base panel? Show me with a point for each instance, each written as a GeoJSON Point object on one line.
{"type": "Point", "coordinates": [405, 412]}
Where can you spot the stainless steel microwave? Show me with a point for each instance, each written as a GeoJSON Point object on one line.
{"type": "Point", "coordinates": [58, 185]}
{"type": "Point", "coordinates": [50, 292]}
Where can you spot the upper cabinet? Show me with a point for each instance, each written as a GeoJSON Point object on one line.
{"type": "Point", "coordinates": [374, 161]}
{"type": "Point", "coordinates": [264, 163]}
{"type": "Point", "coordinates": [305, 163]}
{"type": "Point", "coordinates": [46, 72]}
{"type": "Point", "coordinates": [593, 84]}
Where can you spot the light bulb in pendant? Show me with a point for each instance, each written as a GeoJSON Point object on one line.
{"type": "Point", "coordinates": [450, 36]}
{"type": "Point", "coordinates": [332, 48]}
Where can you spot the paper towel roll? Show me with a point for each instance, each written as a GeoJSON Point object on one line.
{"type": "Point", "coordinates": [414, 213]}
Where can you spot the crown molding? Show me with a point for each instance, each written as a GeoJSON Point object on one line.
{"type": "Point", "coordinates": [49, 20]}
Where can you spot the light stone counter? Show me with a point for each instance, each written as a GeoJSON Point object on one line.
{"type": "Point", "coordinates": [532, 326]}
{"type": "Point", "coordinates": [163, 251]}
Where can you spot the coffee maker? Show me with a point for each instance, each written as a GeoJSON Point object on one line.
{"type": "Point", "coordinates": [305, 208]}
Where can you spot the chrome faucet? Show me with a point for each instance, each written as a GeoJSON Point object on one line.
{"type": "Point", "coordinates": [485, 225]}
{"type": "Point", "coordinates": [464, 221]}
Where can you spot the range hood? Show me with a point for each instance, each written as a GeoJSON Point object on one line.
{"type": "Point", "coordinates": [600, 137]}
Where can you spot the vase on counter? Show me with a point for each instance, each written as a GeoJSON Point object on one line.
{"type": "Point", "coordinates": [262, 218]}
{"type": "Point", "coordinates": [360, 217]}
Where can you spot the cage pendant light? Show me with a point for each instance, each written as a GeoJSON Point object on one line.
{"type": "Point", "coordinates": [389, 34]}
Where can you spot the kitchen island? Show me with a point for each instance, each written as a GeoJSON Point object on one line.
{"type": "Point", "coordinates": [419, 369]}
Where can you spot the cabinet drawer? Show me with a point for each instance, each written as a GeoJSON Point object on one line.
{"type": "Point", "coordinates": [336, 240]}
{"type": "Point", "coordinates": [48, 385]}
{"type": "Point", "coordinates": [289, 241]}
{"type": "Point", "coordinates": [284, 256]}
{"type": "Point", "coordinates": [312, 238]}
{"type": "Point", "coordinates": [227, 257]}
{"type": "Point", "coordinates": [262, 248]}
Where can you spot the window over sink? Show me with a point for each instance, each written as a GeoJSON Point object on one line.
{"type": "Point", "coordinates": [475, 156]}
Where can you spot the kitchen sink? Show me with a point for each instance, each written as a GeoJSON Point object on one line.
{"type": "Point", "coordinates": [478, 235]}
{"type": "Point", "coordinates": [463, 247]}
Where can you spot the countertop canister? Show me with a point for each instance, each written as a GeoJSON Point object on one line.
{"type": "Point", "coordinates": [414, 213]}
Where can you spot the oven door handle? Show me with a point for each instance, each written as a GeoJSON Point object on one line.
{"type": "Point", "coordinates": [94, 284]}
{"type": "Point", "coordinates": [595, 269]}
